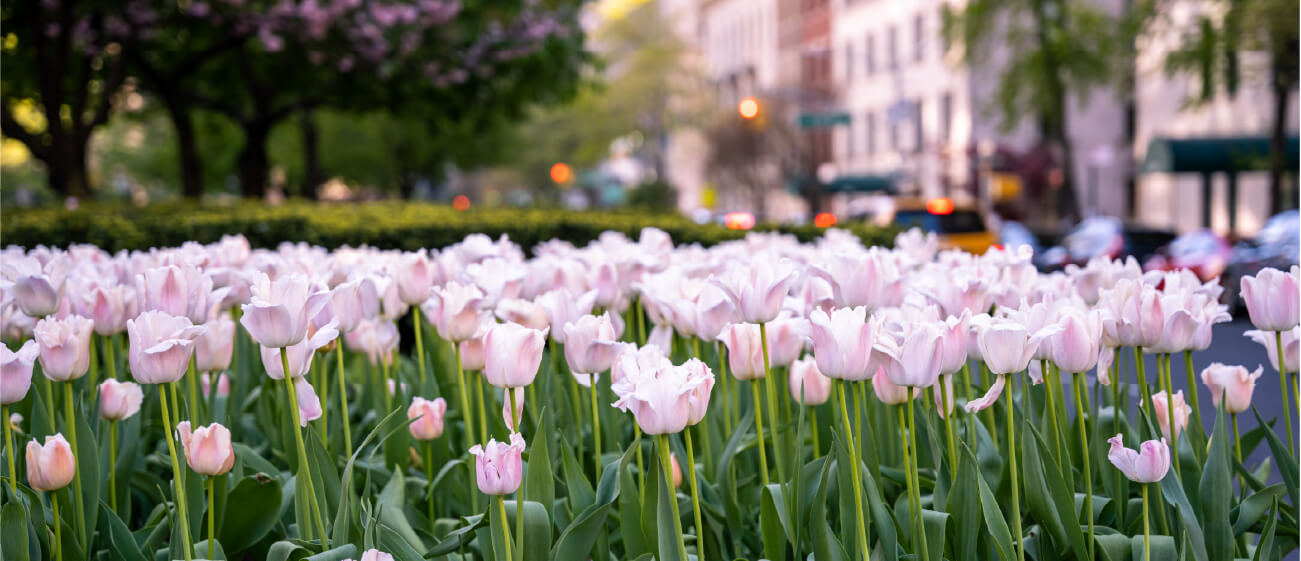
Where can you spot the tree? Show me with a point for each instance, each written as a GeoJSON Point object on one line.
{"type": "Point", "coordinates": [1211, 52]}
{"type": "Point", "coordinates": [1054, 48]}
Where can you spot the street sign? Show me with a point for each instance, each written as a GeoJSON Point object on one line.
{"type": "Point", "coordinates": [822, 120]}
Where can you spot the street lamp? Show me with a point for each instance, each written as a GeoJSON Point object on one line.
{"type": "Point", "coordinates": [748, 108]}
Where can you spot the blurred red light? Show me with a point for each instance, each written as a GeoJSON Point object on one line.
{"type": "Point", "coordinates": [940, 206]}
{"type": "Point", "coordinates": [461, 202]}
{"type": "Point", "coordinates": [560, 172]}
{"type": "Point", "coordinates": [748, 108]}
{"type": "Point", "coordinates": [738, 220]}
{"type": "Point", "coordinates": [824, 220]}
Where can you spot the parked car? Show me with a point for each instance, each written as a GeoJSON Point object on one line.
{"type": "Point", "coordinates": [1201, 251]}
{"type": "Point", "coordinates": [955, 225]}
{"type": "Point", "coordinates": [1105, 236]}
{"type": "Point", "coordinates": [1276, 245]}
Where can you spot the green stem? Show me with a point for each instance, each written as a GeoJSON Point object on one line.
{"type": "Point", "coordinates": [505, 524]}
{"type": "Point", "coordinates": [695, 497]}
{"type": "Point", "coordinates": [482, 411]}
{"type": "Point", "coordinates": [94, 364]}
{"type": "Point", "coordinates": [1117, 410]}
{"type": "Point", "coordinates": [728, 420]}
{"type": "Point", "coordinates": [596, 429]}
{"type": "Point", "coordinates": [948, 421]}
{"type": "Point", "coordinates": [429, 479]}
{"type": "Point", "coordinates": [1237, 452]}
{"type": "Point", "coordinates": [666, 464]}
{"type": "Point", "coordinates": [322, 375]}
{"type": "Point", "coordinates": [1192, 400]}
{"type": "Point", "coordinates": [468, 417]}
{"type": "Point", "coordinates": [1016, 476]}
{"type": "Point", "coordinates": [110, 359]}
{"type": "Point", "coordinates": [772, 405]}
{"type": "Point", "coordinates": [1147, 531]}
{"type": "Point", "coordinates": [177, 475]}
{"type": "Point", "coordinates": [9, 453]}
{"type": "Point", "coordinates": [1051, 382]}
{"type": "Point", "coordinates": [758, 427]}
{"type": "Point", "coordinates": [813, 414]}
{"type": "Point", "coordinates": [864, 553]}
{"type": "Point", "coordinates": [78, 501]}
{"type": "Point", "coordinates": [641, 323]}
{"type": "Point", "coordinates": [858, 418]}
{"type": "Point", "coordinates": [914, 494]}
{"type": "Point", "coordinates": [58, 527]}
{"type": "Point", "coordinates": [193, 382]}
{"type": "Point", "coordinates": [1167, 385]}
{"type": "Point", "coordinates": [1078, 390]}
{"type": "Point", "coordinates": [420, 345]}
{"type": "Point", "coordinates": [519, 503]}
{"type": "Point", "coordinates": [1145, 396]}
{"type": "Point", "coordinates": [1282, 382]}
{"type": "Point", "coordinates": [112, 465]}
{"type": "Point", "coordinates": [343, 403]}
{"type": "Point", "coordinates": [971, 419]}
{"type": "Point", "coordinates": [641, 471]}
{"type": "Point", "coordinates": [49, 398]}
{"type": "Point", "coordinates": [304, 468]}
{"type": "Point", "coordinates": [212, 518]}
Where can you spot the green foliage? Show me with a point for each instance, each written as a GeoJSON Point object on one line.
{"type": "Point", "coordinates": [380, 224]}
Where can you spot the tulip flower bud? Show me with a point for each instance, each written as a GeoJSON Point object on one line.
{"type": "Point", "coordinates": [889, 393]}
{"type": "Point", "coordinates": [1231, 386]}
{"type": "Point", "coordinates": [16, 371]}
{"type": "Point", "coordinates": [50, 466]}
{"type": "Point", "coordinates": [374, 555]}
{"type": "Point", "coordinates": [223, 383]}
{"type": "Point", "coordinates": [1160, 406]}
{"type": "Point", "coordinates": [499, 467]}
{"type": "Point", "coordinates": [309, 405]}
{"type": "Point", "coordinates": [414, 277]}
{"type": "Point", "coordinates": [758, 288]}
{"type": "Point", "coordinates": [119, 400]}
{"type": "Point", "coordinates": [843, 342]}
{"type": "Point", "coordinates": [919, 356]}
{"type": "Point", "coordinates": [208, 450]}
{"type": "Point", "coordinates": [590, 346]}
{"type": "Point", "coordinates": [1076, 347]}
{"type": "Point", "coordinates": [472, 353]}
{"type": "Point", "coordinates": [279, 312]}
{"type": "Point", "coordinates": [64, 347]}
{"type": "Point", "coordinates": [455, 310]}
{"type": "Point", "coordinates": [564, 307]}
{"type": "Point", "coordinates": [509, 416]}
{"type": "Point", "coordinates": [744, 350]}
{"type": "Point", "coordinates": [300, 354]}
{"type": "Point", "coordinates": [677, 470]}
{"type": "Point", "coordinates": [160, 346]}
{"type": "Point", "coordinates": [1291, 347]}
{"type": "Point", "coordinates": [808, 385]}
{"type": "Point", "coordinates": [1272, 298]}
{"type": "Point", "coordinates": [512, 354]}
{"type": "Point", "coordinates": [667, 399]}
{"type": "Point", "coordinates": [214, 348]}
{"type": "Point", "coordinates": [428, 416]}
{"type": "Point", "coordinates": [1146, 466]}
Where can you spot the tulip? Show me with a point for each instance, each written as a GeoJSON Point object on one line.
{"type": "Point", "coordinates": [64, 347]}
{"type": "Point", "coordinates": [208, 450]}
{"type": "Point", "coordinates": [1291, 348]}
{"type": "Point", "coordinates": [1272, 299]}
{"type": "Point", "coordinates": [523, 312]}
{"type": "Point", "coordinates": [808, 385]}
{"type": "Point", "coordinates": [350, 303]}
{"type": "Point", "coordinates": [891, 394]}
{"type": "Point", "coordinates": [701, 380]}
{"type": "Point", "coordinates": [472, 353]}
{"type": "Point", "coordinates": [379, 339]}
{"type": "Point", "coordinates": [1132, 313]}
{"type": "Point", "coordinates": [16, 371]}
{"type": "Point", "coordinates": [309, 405]}
{"type": "Point", "coordinates": [632, 364]}
{"type": "Point", "coordinates": [50, 466]}
{"type": "Point", "coordinates": [1231, 386]}
{"type": "Point", "coordinates": [661, 336]}
{"type": "Point", "coordinates": [1180, 412]}
{"type": "Point", "coordinates": [223, 383]}
{"type": "Point", "coordinates": [454, 310]}
{"type": "Point", "coordinates": [662, 402]}
{"type": "Point", "coordinates": [499, 467]}
{"type": "Point", "coordinates": [786, 337]}
{"type": "Point", "coordinates": [414, 277]}
{"type": "Point", "coordinates": [758, 289]}
{"type": "Point", "coordinates": [843, 343]}
{"type": "Point", "coordinates": [394, 385]}
{"type": "Point", "coordinates": [1076, 347]}
{"type": "Point", "coordinates": [179, 291]}
{"type": "Point", "coordinates": [109, 307]}
{"type": "Point", "coordinates": [1007, 346]}
{"type": "Point", "coordinates": [119, 400]}
{"type": "Point", "coordinates": [945, 400]}
{"type": "Point", "coordinates": [428, 416]}
{"type": "Point", "coordinates": [512, 354]}
{"type": "Point", "coordinates": [280, 311]}
{"type": "Point", "coordinates": [590, 346]}
{"type": "Point", "coordinates": [990, 398]}
{"type": "Point", "coordinates": [677, 471]}
{"type": "Point", "coordinates": [1147, 465]}
{"type": "Point", "coordinates": [37, 288]}
{"type": "Point", "coordinates": [214, 348]}
{"type": "Point", "coordinates": [715, 310]}
{"type": "Point", "coordinates": [744, 350]}
{"type": "Point", "coordinates": [518, 413]}
{"type": "Point", "coordinates": [869, 280]}
{"type": "Point", "coordinates": [499, 279]}
{"type": "Point", "coordinates": [917, 360]}
{"type": "Point", "coordinates": [300, 354]}
{"type": "Point", "coordinates": [954, 335]}
{"type": "Point", "coordinates": [374, 555]}
{"type": "Point", "coordinates": [564, 307]}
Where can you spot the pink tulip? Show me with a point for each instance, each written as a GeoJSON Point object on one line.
{"type": "Point", "coordinates": [1007, 346]}
{"type": "Point", "coordinates": [1291, 347]}
{"type": "Point", "coordinates": [109, 307]}
{"type": "Point", "coordinates": [414, 277]}
{"type": "Point", "coordinates": [701, 380]}
{"type": "Point", "coordinates": [590, 346]}
{"type": "Point", "coordinates": [223, 383]}
{"type": "Point", "coordinates": [37, 287]}
{"type": "Point", "coordinates": [378, 338]}
{"type": "Point", "coordinates": [758, 288]}
{"type": "Point", "coordinates": [523, 312]}
{"type": "Point", "coordinates": [16, 371]}
{"type": "Point", "coordinates": [1148, 465]}
{"type": "Point", "coordinates": [744, 350]}
{"type": "Point", "coordinates": [374, 555]}
{"type": "Point", "coordinates": [499, 467]}
{"type": "Point", "coordinates": [64, 347]}
{"type": "Point", "coordinates": [677, 470]}
{"type": "Point", "coordinates": [472, 353]}
{"type": "Point", "coordinates": [1230, 385]}
{"type": "Point", "coordinates": [990, 398]}
{"type": "Point", "coordinates": [632, 364]}
{"type": "Point", "coordinates": [944, 392]}
{"type": "Point", "coordinates": [119, 400]}
{"type": "Point", "coordinates": [714, 311]}
{"type": "Point", "coordinates": [428, 416]}
{"type": "Point", "coordinates": [1075, 348]}
{"type": "Point", "coordinates": [1132, 315]}
{"type": "Point", "coordinates": [160, 345]}
{"type": "Point", "coordinates": [350, 303]}
{"type": "Point", "coordinates": [309, 405]}
{"type": "Point", "coordinates": [50, 466]}
{"type": "Point", "coordinates": [954, 335]}
{"type": "Point", "coordinates": [786, 338]}
{"type": "Point", "coordinates": [808, 385]}
{"type": "Point", "coordinates": [889, 393]}
{"type": "Point", "coordinates": [564, 307]}
{"type": "Point", "coordinates": [394, 385]}
{"type": "Point", "coordinates": [843, 342]}
{"type": "Point", "coordinates": [499, 279]}
{"type": "Point", "coordinates": [858, 279]}
{"type": "Point", "coordinates": [666, 399]}
{"type": "Point", "coordinates": [300, 354]}
{"type": "Point", "coordinates": [917, 359]}
{"type": "Point", "coordinates": [454, 310]}
{"type": "Point", "coordinates": [512, 354]}
{"type": "Point", "coordinates": [1272, 298]}
{"type": "Point", "coordinates": [662, 336]}
{"type": "Point", "coordinates": [280, 311]}
{"type": "Point", "coordinates": [208, 450]}
{"type": "Point", "coordinates": [509, 416]}
{"type": "Point", "coordinates": [1160, 406]}
{"type": "Point", "coordinates": [180, 291]}
{"type": "Point", "coordinates": [214, 348]}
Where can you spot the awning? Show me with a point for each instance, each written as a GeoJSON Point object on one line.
{"type": "Point", "coordinates": [860, 184]}
{"type": "Point", "coordinates": [1209, 155]}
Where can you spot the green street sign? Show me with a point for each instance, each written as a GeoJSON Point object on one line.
{"type": "Point", "coordinates": [822, 120]}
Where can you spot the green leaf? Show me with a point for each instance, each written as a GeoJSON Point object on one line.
{"type": "Point", "coordinates": [1266, 542]}
{"type": "Point", "coordinates": [1287, 465]}
{"type": "Point", "coordinates": [498, 525]}
{"type": "Point", "coordinates": [13, 525]}
{"type": "Point", "coordinates": [670, 535]}
{"type": "Point", "coordinates": [124, 547]}
{"type": "Point", "coordinates": [1113, 547]}
{"type": "Point", "coordinates": [1254, 507]}
{"type": "Point", "coordinates": [826, 544]}
{"type": "Point", "coordinates": [392, 499]}
{"type": "Point", "coordinates": [258, 510]}
{"type": "Point", "coordinates": [580, 490]}
{"type": "Point", "coordinates": [541, 482]}
{"type": "Point", "coordinates": [89, 474]}
{"type": "Point", "coordinates": [994, 521]}
{"type": "Point", "coordinates": [345, 551]}
{"type": "Point", "coordinates": [391, 541]}
{"type": "Point", "coordinates": [964, 503]}
{"type": "Point", "coordinates": [774, 528]}
{"type": "Point", "coordinates": [537, 530]}
{"type": "Point", "coordinates": [1163, 548]}
{"type": "Point", "coordinates": [1216, 493]}
{"type": "Point", "coordinates": [1050, 501]}
{"type": "Point", "coordinates": [1188, 522]}
{"type": "Point", "coordinates": [576, 541]}
{"type": "Point", "coordinates": [934, 524]}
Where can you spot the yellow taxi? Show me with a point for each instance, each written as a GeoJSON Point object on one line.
{"type": "Point", "coordinates": [960, 226]}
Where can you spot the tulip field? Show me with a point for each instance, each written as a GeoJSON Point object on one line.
{"type": "Point", "coordinates": [633, 399]}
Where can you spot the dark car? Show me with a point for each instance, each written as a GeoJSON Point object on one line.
{"type": "Point", "coordinates": [1202, 251]}
{"type": "Point", "coordinates": [1105, 236]}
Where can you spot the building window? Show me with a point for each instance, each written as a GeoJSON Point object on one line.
{"type": "Point", "coordinates": [849, 62]}
{"type": "Point", "coordinates": [919, 137]}
{"type": "Point", "coordinates": [849, 140]}
{"type": "Point", "coordinates": [892, 47]}
{"type": "Point", "coordinates": [946, 117]}
{"type": "Point", "coordinates": [894, 135]}
{"type": "Point", "coordinates": [919, 38]}
{"type": "Point", "coordinates": [869, 53]}
{"type": "Point", "coordinates": [869, 147]}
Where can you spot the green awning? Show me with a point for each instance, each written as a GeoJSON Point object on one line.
{"type": "Point", "coordinates": [1209, 155]}
{"type": "Point", "coordinates": [860, 184]}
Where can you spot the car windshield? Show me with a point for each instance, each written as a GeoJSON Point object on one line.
{"type": "Point", "coordinates": [956, 222]}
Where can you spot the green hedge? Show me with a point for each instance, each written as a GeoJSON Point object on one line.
{"type": "Point", "coordinates": [402, 225]}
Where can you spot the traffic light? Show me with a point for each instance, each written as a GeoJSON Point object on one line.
{"type": "Point", "coordinates": [748, 108]}
{"type": "Point", "coordinates": [560, 172]}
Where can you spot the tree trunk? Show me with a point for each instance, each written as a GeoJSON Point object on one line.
{"type": "Point", "coordinates": [313, 177]}
{"type": "Point", "coordinates": [253, 164]}
{"type": "Point", "coordinates": [1284, 76]}
{"type": "Point", "coordinates": [67, 175]}
{"type": "Point", "coordinates": [187, 148]}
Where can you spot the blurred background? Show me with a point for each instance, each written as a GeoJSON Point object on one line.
{"type": "Point", "coordinates": [1163, 129]}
